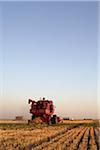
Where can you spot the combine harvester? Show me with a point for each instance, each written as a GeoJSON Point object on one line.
{"type": "Point", "coordinates": [44, 110]}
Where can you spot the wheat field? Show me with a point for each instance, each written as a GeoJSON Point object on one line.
{"type": "Point", "coordinates": [64, 136]}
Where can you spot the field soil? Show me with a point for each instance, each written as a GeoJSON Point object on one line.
{"type": "Point", "coordinates": [69, 135]}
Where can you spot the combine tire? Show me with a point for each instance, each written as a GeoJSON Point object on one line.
{"type": "Point", "coordinates": [54, 119]}
{"type": "Point", "coordinates": [33, 117]}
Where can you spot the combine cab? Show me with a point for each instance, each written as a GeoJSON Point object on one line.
{"type": "Point", "coordinates": [43, 109]}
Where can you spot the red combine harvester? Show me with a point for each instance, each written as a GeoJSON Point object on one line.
{"type": "Point", "coordinates": [43, 109]}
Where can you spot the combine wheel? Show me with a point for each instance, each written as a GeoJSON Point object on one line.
{"type": "Point", "coordinates": [33, 117]}
{"type": "Point", "coordinates": [54, 119]}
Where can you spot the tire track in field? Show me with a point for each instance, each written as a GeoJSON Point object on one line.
{"type": "Point", "coordinates": [76, 140]}
{"type": "Point", "coordinates": [84, 142]}
{"type": "Point", "coordinates": [97, 137]}
{"type": "Point", "coordinates": [92, 142]}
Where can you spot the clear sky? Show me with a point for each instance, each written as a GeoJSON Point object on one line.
{"type": "Point", "coordinates": [49, 49]}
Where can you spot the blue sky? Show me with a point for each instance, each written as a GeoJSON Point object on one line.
{"type": "Point", "coordinates": [49, 49]}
